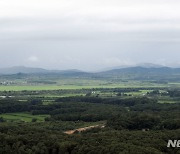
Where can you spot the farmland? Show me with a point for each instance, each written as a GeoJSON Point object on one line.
{"type": "Point", "coordinates": [56, 87]}
{"type": "Point", "coordinates": [38, 111]}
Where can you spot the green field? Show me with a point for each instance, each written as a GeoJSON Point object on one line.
{"type": "Point", "coordinates": [26, 117]}
{"type": "Point", "coordinates": [55, 87]}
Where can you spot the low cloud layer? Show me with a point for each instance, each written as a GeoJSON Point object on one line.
{"type": "Point", "coordinates": [89, 35]}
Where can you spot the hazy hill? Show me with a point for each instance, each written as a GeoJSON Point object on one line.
{"type": "Point", "coordinates": [159, 74]}
{"type": "Point", "coordinates": [30, 70]}
{"type": "Point", "coordinates": [21, 69]}
{"type": "Point", "coordinates": [144, 71]}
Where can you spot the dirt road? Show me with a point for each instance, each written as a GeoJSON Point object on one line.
{"type": "Point", "coordinates": [69, 132]}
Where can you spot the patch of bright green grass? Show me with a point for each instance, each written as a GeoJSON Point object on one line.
{"type": "Point", "coordinates": [26, 117]}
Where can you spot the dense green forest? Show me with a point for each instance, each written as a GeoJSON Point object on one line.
{"type": "Point", "coordinates": [128, 120]}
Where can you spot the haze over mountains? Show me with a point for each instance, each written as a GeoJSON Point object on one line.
{"type": "Point", "coordinates": [141, 68]}
{"type": "Point", "coordinates": [31, 70]}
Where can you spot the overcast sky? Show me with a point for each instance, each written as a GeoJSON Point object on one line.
{"type": "Point", "coordinates": [89, 34]}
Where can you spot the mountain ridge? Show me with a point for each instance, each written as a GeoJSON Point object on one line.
{"type": "Point", "coordinates": [32, 70]}
{"type": "Point", "coordinates": [145, 68]}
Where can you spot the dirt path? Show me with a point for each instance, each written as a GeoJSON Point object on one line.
{"type": "Point", "coordinates": [69, 132]}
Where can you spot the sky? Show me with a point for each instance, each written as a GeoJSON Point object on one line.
{"type": "Point", "coordinates": [89, 34]}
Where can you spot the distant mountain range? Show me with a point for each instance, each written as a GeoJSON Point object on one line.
{"type": "Point", "coordinates": [21, 69]}
{"type": "Point", "coordinates": [144, 65]}
{"type": "Point", "coordinates": [30, 70]}
{"type": "Point", "coordinates": [145, 69]}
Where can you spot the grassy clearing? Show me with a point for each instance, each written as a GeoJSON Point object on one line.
{"type": "Point", "coordinates": [26, 117]}
{"type": "Point", "coordinates": [56, 87]}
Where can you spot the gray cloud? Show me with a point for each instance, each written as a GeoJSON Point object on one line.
{"type": "Point", "coordinates": [91, 34]}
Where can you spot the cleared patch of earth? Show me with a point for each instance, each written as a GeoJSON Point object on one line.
{"type": "Point", "coordinates": [69, 132]}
